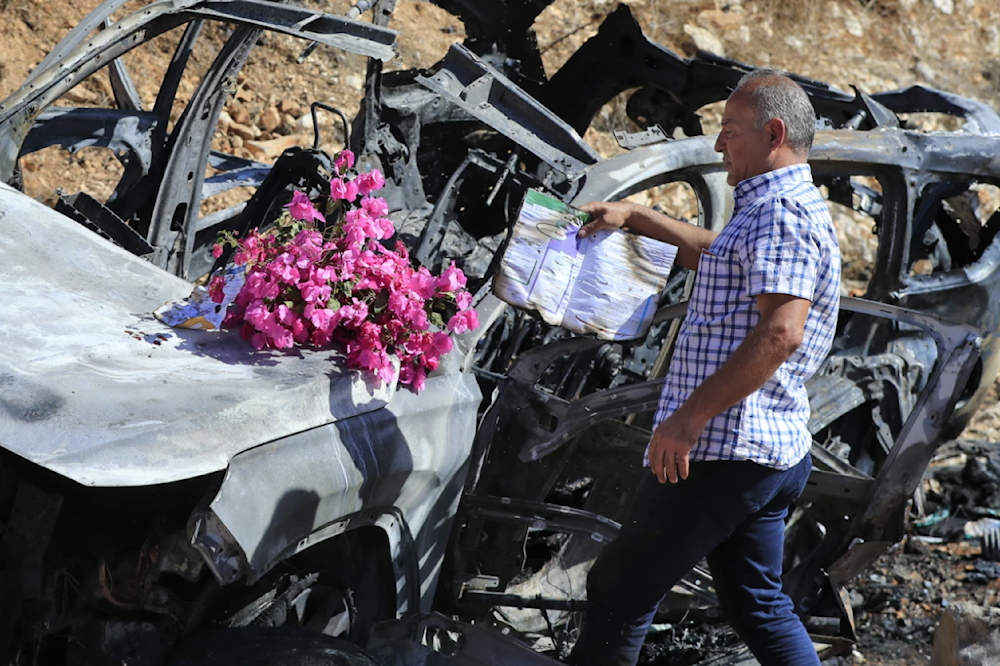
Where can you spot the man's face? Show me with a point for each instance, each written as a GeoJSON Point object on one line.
{"type": "Point", "coordinates": [745, 149]}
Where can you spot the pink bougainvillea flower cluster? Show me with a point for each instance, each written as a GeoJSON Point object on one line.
{"type": "Point", "coordinates": [320, 279]}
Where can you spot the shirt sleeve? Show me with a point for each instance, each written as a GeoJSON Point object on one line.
{"type": "Point", "coordinates": [781, 253]}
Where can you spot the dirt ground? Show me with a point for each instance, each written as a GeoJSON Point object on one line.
{"type": "Point", "coordinates": [872, 44]}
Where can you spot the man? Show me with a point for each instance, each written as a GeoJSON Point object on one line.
{"type": "Point", "coordinates": [730, 433]}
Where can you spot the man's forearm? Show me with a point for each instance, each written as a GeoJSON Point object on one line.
{"type": "Point", "coordinates": [761, 353]}
{"type": "Point", "coordinates": [689, 239]}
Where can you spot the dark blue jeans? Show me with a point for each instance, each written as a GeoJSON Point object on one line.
{"type": "Point", "coordinates": [730, 512]}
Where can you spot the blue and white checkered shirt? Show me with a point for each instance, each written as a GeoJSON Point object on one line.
{"type": "Point", "coordinates": [780, 240]}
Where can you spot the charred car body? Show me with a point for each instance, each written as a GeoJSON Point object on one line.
{"type": "Point", "coordinates": [155, 483]}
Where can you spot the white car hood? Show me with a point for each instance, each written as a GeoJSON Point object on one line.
{"type": "Point", "coordinates": [93, 387]}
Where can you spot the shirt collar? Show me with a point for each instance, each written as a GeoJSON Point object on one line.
{"type": "Point", "coordinates": [749, 190]}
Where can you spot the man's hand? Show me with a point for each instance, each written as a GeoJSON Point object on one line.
{"type": "Point", "coordinates": [690, 239]}
{"type": "Point", "coordinates": [671, 444]}
{"type": "Point", "coordinates": [605, 215]}
{"type": "Point", "coordinates": [770, 343]}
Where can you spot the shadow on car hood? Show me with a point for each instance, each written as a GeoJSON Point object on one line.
{"type": "Point", "coordinates": [93, 387]}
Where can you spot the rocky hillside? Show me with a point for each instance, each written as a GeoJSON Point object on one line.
{"type": "Point", "coordinates": [873, 44]}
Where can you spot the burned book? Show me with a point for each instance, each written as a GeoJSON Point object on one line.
{"type": "Point", "coordinates": [606, 284]}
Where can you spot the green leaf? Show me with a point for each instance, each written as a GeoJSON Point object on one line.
{"type": "Point", "coordinates": [436, 319]}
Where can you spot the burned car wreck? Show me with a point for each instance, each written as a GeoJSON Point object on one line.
{"type": "Point", "coordinates": [169, 494]}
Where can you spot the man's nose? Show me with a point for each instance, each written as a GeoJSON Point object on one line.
{"type": "Point", "coordinates": [720, 145]}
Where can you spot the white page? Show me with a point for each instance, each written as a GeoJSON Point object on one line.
{"type": "Point", "coordinates": [541, 261]}
{"type": "Point", "coordinates": [618, 286]}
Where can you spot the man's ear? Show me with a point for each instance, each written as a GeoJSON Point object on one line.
{"type": "Point", "coordinates": [778, 132]}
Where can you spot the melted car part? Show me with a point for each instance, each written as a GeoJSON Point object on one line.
{"type": "Point", "coordinates": [168, 170]}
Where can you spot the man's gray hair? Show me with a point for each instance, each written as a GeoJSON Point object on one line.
{"type": "Point", "coordinates": [774, 95]}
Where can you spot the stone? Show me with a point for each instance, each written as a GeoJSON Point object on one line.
{"type": "Point", "coordinates": [705, 40]}
{"type": "Point", "coordinates": [80, 95]}
{"type": "Point", "coordinates": [290, 107]}
{"type": "Point", "coordinates": [269, 150]}
{"type": "Point", "coordinates": [269, 119]}
{"type": "Point", "coordinates": [925, 71]}
{"type": "Point", "coordinates": [245, 95]}
{"type": "Point", "coordinates": [945, 6]}
{"type": "Point", "coordinates": [245, 132]}
{"type": "Point", "coordinates": [239, 113]}
{"type": "Point", "coordinates": [853, 26]}
{"type": "Point", "coordinates": [305, 123]}
{"type": "Point", "coordinates": [795, 42]}
{"type": "Point", "coordinates": [724, 22]}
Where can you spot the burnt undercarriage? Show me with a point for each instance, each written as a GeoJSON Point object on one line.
{"type": "Point", "coordinates": [106, 575]}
